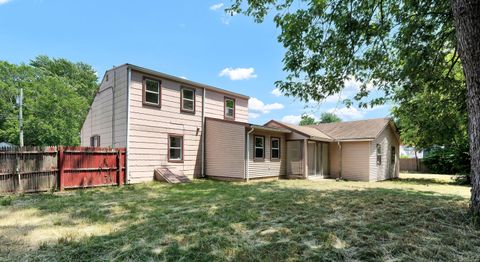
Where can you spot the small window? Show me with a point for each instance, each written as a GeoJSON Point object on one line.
{"type": "Point", "coordinates": [393, 156]}
{"type": "Point", "coordinates": [175, 148]}
{"type": "Point", "coordinates": [188, 99]}
{"type": "Point", "coordinates": [275, 148]}
{"type": "Point", "coordinates": [151, 94]}
{"type": "Point", "coordinates": [95, 141]}
{"type": "Point", "coordinates": [229, 107]}
{"type": "Point", "coordinates": [259, 147]}
{"type": "Point", "coordinates": [379, 154]}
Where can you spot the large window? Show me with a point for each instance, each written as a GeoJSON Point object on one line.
{"type": "Point", "coordinates": [229, 107]}
{"type": "Point", "coordinates": [151, 92]}
{"type": "Point", "coordinates": [188, 99]}
{"type": "Point", "coordinates": [95, 141]}
{"type": "Point", "coordinates": [379, 154]}
{"type": "Point", "coordinates": [259, 147]}
{"type": "Point", "coordinates": [175, 148]}
{"type": "Point", "coordinates": [275, 154]}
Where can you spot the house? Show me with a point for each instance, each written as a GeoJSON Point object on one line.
{"type": "Point", "coordinates": [203, 131]}
{"type": "Point", "coordinates": [6, 145]}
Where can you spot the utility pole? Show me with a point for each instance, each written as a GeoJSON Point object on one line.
{"type": "Point", "coordinates": [20, 115]}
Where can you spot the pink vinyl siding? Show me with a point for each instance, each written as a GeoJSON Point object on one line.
{"type": "Point", "coordinates": [267, 167]}
{"type": "Point", "coordinates": [386, 169]}
{"type": "Point", "coordinates": [107, 116]}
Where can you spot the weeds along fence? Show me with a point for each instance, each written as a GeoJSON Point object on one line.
{"type": "Point", "coordinates": [36, 169]}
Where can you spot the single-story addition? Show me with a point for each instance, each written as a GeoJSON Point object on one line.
{"type": "Point", "coordinates": [365, 150]}
{"type": "Point", "coordinates": [170, 123]}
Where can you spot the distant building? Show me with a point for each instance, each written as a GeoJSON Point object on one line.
{"type": "Point", "coordinates": [409, 152]}
{"type": "Point", "coordinates": [6, 145]}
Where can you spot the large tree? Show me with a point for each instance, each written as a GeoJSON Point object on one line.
{"type": "Point", "coordinates": [389, 44]}
{"type": "Point", "coordinates": [57, 94]}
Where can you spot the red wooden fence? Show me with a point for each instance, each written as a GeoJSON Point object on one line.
{"type": "Point", "coordinates": [90, 166]}
{"type": "Point", "coordinates": [35, 169]}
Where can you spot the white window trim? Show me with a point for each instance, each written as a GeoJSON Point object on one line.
{"type": "Point", "coordinates": [256, 147]}
{"type": "Point", "coordinates": [275, 148]}
{"type": "Point", "coordinates": [175, 148]}
{"type": "Point", "coordinates": [227, 108]}
{"type": "Point", "coordinates": [188, 99]}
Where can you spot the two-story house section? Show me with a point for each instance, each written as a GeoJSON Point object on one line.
{"type": "Point", "coordinates": [159, 118]}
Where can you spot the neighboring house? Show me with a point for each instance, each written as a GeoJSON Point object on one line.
{"type": "Point", "coordinates": [166, 121]}
{"type": "Point", "coordinates": [6, 145]}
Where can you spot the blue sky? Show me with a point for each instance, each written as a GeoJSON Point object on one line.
{"type": "Point", "coordinates": [187, 38]}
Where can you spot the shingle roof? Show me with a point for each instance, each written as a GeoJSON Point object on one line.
{"type": "Point", "coordinates": [310, 131]}
{"type": "Point", "coordinates": [361, 129]}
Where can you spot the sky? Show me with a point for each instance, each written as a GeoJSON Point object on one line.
{"type": "Point", "coordinates": [186, 38]}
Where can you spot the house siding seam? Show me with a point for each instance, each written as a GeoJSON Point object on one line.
{"type": "Point", "coordinates": [355, 161]}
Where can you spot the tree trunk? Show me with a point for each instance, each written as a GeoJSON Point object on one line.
{"type": "Point", "coordinates": [466, 15]}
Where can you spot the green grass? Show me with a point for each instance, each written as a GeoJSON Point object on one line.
{"type": "Point", "coordinates": [411, 219]}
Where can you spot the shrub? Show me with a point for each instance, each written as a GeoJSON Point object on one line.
{"type": "Point", "coordinates": [449, 160]}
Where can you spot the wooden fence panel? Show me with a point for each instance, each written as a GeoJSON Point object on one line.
{"type": "Point", "coordinates": [36, 169]}
{"type": "Point", "coordinates": [413, 165]}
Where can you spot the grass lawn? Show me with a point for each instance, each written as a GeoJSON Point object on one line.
{"type": "Point", "coordinates": [416, 218]}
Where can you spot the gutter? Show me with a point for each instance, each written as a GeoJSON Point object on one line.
{"type": "Point", "coordinates": [247, 160]}
{"type": "Point", "coordinates": [129, 77]}
{"type": "Point", "coordinates": [340, 159]}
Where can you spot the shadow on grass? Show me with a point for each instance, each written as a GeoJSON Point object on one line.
{"type": "Point", "coordinates": [210, 220]}
{"type": "Point", "coordinates": [427, 181]}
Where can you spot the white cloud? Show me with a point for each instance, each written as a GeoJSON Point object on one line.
{"type": "Point", "coordinates": [214, 7]}
{"type": "Point", "coordinates": [4, 2]}
{"type": "Point", "coordinates": [238, 73]}
{"type": "Point", "coordinates": [335, 98]}
{"type": "Point", "coordinates": [351, 84]}
{"type": "Point", "coordinates": [258, 106]}
{"type": "Point", "coordinates": [292, 119]}
{"type": "Point", "coordinates": [276, 92]}
{"type": "Point", "coordinates": [253, 115]}
{"type": "Point", "coordinates": [346, 113]}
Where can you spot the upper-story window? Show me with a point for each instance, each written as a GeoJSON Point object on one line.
{"type": "Point", "coordinates": [229, 109]}
{"type": "Point", "coordinates": [151, 92]}
{"type": "Point", "coordinates": [187, 99]}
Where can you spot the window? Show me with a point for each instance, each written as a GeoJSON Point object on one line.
{"type": "Point", "coordinates": [259, 147]}
{"type": "Point", "coordinates": [151, 92]}
{"type": "Point", "coordinates": [275, 148]}
{"type": "Point", "coordinates": [175, 148]}
{"type": "Point", "coordinates": [95, 140]}
{"type": "Point", "coordinates": [392, 157]}
{"type": "Point", "coordinates": [229, 107]}
{"type": "Point", "coordinates": [379, 154]}
{"type": "Point", "coordinates": [188, 99]}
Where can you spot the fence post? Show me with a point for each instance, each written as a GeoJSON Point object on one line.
{"type": "Point", "coordinates": [60, 168]}
{"type": "Point", "coordinates": [119, 183]}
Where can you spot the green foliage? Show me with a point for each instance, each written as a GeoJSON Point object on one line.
{"type": "Point", "coordinates": [327, 117]}
{"type": "Point", "coordinates": [57, 94]}
{"type": "Point", "coordinates": [449, 160]}
{"type": "Point", "coordinates": [307, 120]}
{"type": "Point", "coordinates": [387, 43]}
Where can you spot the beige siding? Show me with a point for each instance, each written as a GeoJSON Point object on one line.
{"type": "Point", "coordinates": [355, 160]}
{"type": "Point", "coordinates": [110, 100]}
{"type": "Point", "coordinates": [267, 167]}
{"type": "Point", "coordinates": [386, 169]}
{"type": "Point", "coordinates": [151, 126]}
{"type": "Point", "coordinates": [225, 149]}
{"type": "Point", "coordinates": [334, 157]}
{"type": "Point", "coordinates": [214, 106]}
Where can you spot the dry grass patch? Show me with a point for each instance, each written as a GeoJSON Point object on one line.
{"type": "Point", "coordinates": [413, 218]}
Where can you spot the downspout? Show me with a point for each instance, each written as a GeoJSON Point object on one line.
{"type": "Point", "coordinates": [203, 132]}
{"type": "Point", "coordinates": [340, 159]}
{"type": "Point", "coordinates": [113, 105]}
{"type": "Point", "coordinates": [247, 160]}
{"type": "Point", "coordinates": [127, 173]}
